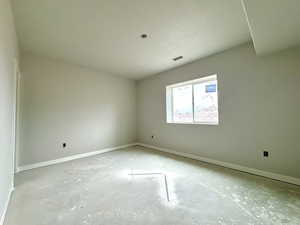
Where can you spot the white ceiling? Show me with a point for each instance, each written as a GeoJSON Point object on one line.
{"type": "Point", "coordinates": [105, 34]}
{"type": "Point", "coordinates": [274, 24]}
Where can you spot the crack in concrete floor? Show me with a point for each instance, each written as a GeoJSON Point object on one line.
{"type": "Point", "coordinates": [149, 174]}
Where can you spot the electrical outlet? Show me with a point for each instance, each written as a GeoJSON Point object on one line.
{"type": "Point", "coordinates": [265, 153]}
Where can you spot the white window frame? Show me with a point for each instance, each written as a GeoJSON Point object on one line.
{"type": "Point", "coordinates": [169, 99]}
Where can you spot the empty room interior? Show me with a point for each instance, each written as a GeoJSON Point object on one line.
{"type": "Point", "coordinates": [149, 112]}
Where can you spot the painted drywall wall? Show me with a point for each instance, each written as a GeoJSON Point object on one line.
{"type": "Point", "coordinates": [8, 55]}
{"type": "Point", "coordinates": [258, 105]}
{"type": "Point", "coordinates": [61, 102]}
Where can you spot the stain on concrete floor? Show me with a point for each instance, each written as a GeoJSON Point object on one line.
{"type": "Point", "coordinates": [101, 190]}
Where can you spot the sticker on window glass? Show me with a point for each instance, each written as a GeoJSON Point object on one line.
{"type": "Point", "coordinates": [210, 88]}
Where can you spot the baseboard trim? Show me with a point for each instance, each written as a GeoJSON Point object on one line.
{"type": "Point", "coordinates": [70, 158]}
{"type": "Point", "coordinates": [274, 176]}
{"type": "Point", "coordinates": [2, 218]}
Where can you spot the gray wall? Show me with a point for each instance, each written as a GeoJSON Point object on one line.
{"type": "Point", "coordinates": [8, 54]}
{"type": "Point", "coordinates": [66, 103]}
{"type": "Point", "coordinates": [259, 109]}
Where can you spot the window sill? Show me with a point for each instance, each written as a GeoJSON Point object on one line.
{"type": "Point", "coordinates": [195, 123]}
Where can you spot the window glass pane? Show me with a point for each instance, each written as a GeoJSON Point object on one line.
{"type": "Point", "coordinates": [206, 102]}
{"type": "Point", "coordinates": [182, 104]}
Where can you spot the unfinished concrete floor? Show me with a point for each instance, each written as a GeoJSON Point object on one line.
{"type": "Point", "coordinates": [128, 187]}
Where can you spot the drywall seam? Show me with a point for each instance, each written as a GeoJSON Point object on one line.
{"type": "Point", "coordinates": [70, 158]}
{"type": "Point", "coordinates": [249, 24]}
{"type": "Point", "coordinates": [274, 176]}
{"type": "Point", "coordinates": [6, 206]}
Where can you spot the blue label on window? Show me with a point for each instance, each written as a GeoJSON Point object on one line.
{"type": "Point", "coordinates": [210, 88]}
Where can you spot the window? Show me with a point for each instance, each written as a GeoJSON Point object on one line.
{"type": "Point", "coordinates": [193, 102]}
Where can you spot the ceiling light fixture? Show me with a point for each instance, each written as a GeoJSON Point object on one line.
{"type": "Point", "coordinates": [144, 36]}
{"type": "Point", "coordinates": [178, 58]}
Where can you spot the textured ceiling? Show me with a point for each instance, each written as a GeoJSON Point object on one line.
{"type": "Point", "coordinates": [105, 35]}
{"type": "Point", "coordinates": [274, 24]}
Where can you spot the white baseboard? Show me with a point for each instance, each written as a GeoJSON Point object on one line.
{"type": "Point", "coordinates": [69, 158]}
{"type": "Point", "coordinates": [2, 217]}
{"type": "Point", "coordinates": [274, 176]}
